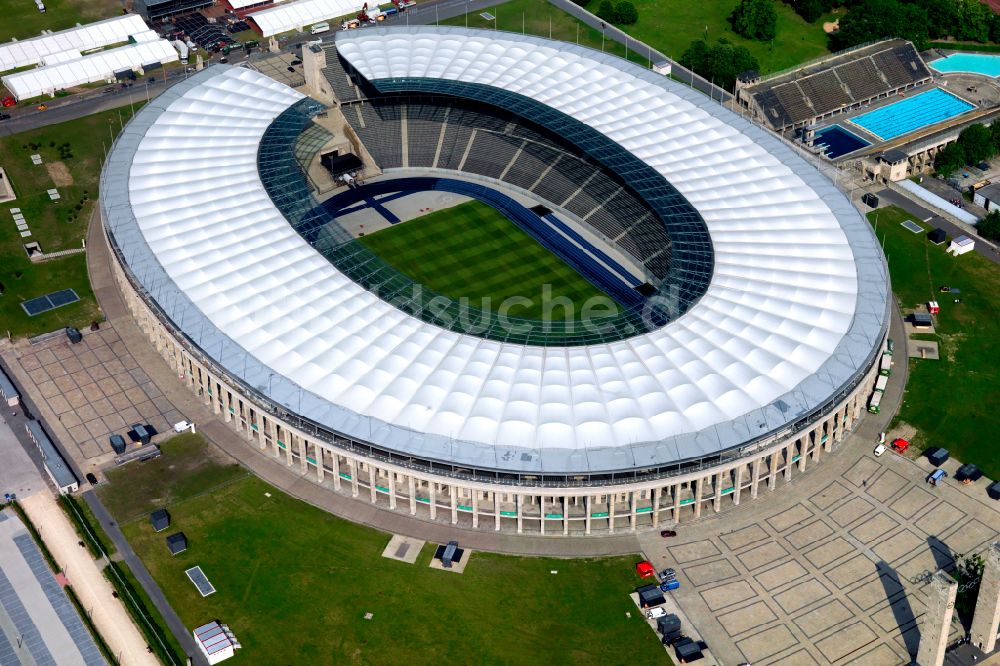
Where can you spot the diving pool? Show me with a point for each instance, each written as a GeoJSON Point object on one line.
{"type": "Point", "coordinates": [912, 113]}
{"type": "Point", "coordinates": [837, 141]}
{"type": "Point", "coordinates": [973, 63]}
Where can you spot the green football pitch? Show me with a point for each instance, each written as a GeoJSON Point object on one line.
{"type": "Point", "coordinates": [473, 251]}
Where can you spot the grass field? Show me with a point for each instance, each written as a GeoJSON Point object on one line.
{"type": "Point", "coordinates": [184, 469]}
{"type": "Point", "coordinates": [668, 26]}
{"type": "Point", "coordinates": [55, 225]}
{"type": "Point", "coordinates": [294, 583]}
{"type": "Point", "coordinates": [21, 19]}
{"type": "Point", "coordinates": [538, 17]}
{"type": "Point", "coordinates": [473, 251]}
{"type": "Point", "coordinates": [952, 402]}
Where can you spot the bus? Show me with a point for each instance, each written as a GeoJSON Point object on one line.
{"type": "Point", "coordinates": [319, 27]}
{"type": "Point", "coordinates": [881, 383]}
{"type": "Point", "coordinates": [874, 401]}
{"type": "Point", "coordinates": [889, 346]}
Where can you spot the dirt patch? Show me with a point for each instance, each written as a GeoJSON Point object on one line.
{"type": "Point", "coordinates": [951, 342]}
{"type": "Point", "coordinates": [902, 430]}
{"type": "Point", "coordinates": [59, 173]}
{"type": "Point", "coordinates": [832, 26]}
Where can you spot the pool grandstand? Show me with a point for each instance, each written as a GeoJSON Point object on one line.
{"type": "Point", "coordinates": [837, 84]}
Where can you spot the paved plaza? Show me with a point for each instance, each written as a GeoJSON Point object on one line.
{"type": "Point", "coordinates": [830, 569]}
{"type": "Point", "coordinates": [90, 390]}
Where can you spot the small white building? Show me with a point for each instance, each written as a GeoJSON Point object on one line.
{"type": "Point", "coordinates": [961, 245]}
{"type": "Point", "coordinates": [988, 197]}
{"type": "Point", "coordinates": [215, 641]}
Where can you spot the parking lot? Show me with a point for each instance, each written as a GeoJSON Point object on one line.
{"type": "Point", "coordinates": [90, 390]}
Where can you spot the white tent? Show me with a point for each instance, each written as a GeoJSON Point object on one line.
{"type": "Point", "coordinates": [91, 36]}
{"type": "Point", "coordinates": [298, 15]}
{"type": "Point", "coordinates": [87, 69]}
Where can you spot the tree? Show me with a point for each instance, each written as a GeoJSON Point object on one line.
{"type": "Point", "coordinates": [876, 19]}
{"type": "Point", "coordinates": [995, 136]}
{"type": "Point", "coordinates": [972, 21]}
{"type": "Point", "coordinates": [626, 13]}
{"type": "Point", "coordinates": [582, 3]}
{"type": "Point", "coordinates": [606, 11]}
{"type": "Point", "coordinates": [989, 226]}
{"type": "Point", "coordinates": [976, 142]}
{"type": "Point", "coordinates": [940, 16]}
{"type": "Point", "coordinates": [949, 159]}
{"type": "Point", "coordinates": [755, 19]}
{"type": "Point", "coordinates": [719, 63]}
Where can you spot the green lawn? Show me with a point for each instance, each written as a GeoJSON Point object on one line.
{"type": "Point", "coordinates": [21, 19]}
{"type": "Point", "coordinates": [55, 225]}
{"type": "Point", "coordinates": [294, 583]}
{"type": "Point", "coordinates": [951, 402]}
{"type": "Point", "coordinates": [473, 251]}
{"type": "Point", "coordinates": [183, 470]}
{"type": "Point", "coordinates": [667, 25]}
{"type": "Point", "coordinates": [538, 17]}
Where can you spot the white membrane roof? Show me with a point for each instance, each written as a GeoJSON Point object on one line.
{"type": "Point", "coordinates": [794, 314]}
{"type": "Point", "coordinates": [302, 14]}
{"type": "Point", "coordinates": [88, 69]}
{"type": "Point", "coordinates": [91, 36]}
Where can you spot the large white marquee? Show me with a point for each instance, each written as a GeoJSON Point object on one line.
{"type": "Point", "coordinates": [795, 310]}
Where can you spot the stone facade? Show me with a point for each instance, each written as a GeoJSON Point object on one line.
{"type": "Point", "coordinates": [524, 507]}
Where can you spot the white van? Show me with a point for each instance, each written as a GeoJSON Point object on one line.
{"type": "Point", "coordinates": [654, 613]}
{"type": "Point", "coordinates": [320, 27]}
{"type": "Point", "coordinates": [181, 426]}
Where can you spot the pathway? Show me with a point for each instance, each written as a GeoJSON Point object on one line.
{"type": "Point", "coordinates": [90, 585]}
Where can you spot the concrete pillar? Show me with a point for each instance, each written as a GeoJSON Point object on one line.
{"type": "Point", "coordinates": [335, 463]}
{"type": "Point", "coordinates": [496, 510]}
{"type": "Point", "coordinates": [941, 592]}
{"type": "Point", "coordinates": [805, 446]}
{"type": "Point", "coordinates": [519, 499]}
{"type": "Point", "coordinates": [633, 501]}
{"type": "Point", "coordinates": [413, 494]}
{"type": "Point", "coordinates": [699, 486]}
{"type": "Point", "coordinates": [738, 484]}
{"type": "Point", "coordinates": [274, 441]}
{"type": "Point", "coordinates": [611, 513]}
{"type": "Point", "coordinates": [475, 508]}
{"type": "Point", "coordinates": [453, 493]}
{"type": "Point", "coordinates": [541, 513]}
{"type": "Point", "coordinates": [717, 499]}
{"type": "Point", "coordinates": [352, 466]}
{"type": "Point", "coordinates": [772, 473]}
{"type": "Point", "coordinates": [303, 452]}
{"type": "Point", "coordinates": [587, 505]}
{"type": "Point", "coordinates": [788, 451]}
{"type": "Point", "coordinates": [320, 470]}
{"type": "Point", "coordinates": [986, 621]}
{"type": "Point", "coordinates": [565, 515]}
{"type": "Point", "coordinates": [758, 463]}
{"type": "Point", "coordinates": [288, 448]}
{"type": "Point", "coordinates": [433, 496]}
{"type": "Point", "coordinates": [657, 492]}
{"type": "Point", "coordinates": [677, 503]}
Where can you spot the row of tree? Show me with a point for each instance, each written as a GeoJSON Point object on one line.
{"type": "Point", "coordinates": [621, 13]}
{"type": "Point", "coordinates": [720, 62]}
{"type": "Point", "coordinates": [916, 20]}
{"type": "Point", "coordinates": [976, 143]}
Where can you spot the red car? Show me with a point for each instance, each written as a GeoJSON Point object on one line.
{"type": "Point", "coordinates": [645, 570]}
{"type": "Point", "coordinates": [8, 101]}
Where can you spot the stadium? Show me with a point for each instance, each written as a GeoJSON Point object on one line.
{"type": "Point", "coordinates": [259, 238]}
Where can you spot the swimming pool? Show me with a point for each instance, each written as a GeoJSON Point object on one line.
{"type": "Point", "coordinates": [975, 63]}
{"type": "Point", "coordinates": [912, 113]}
{"type": "Point", "coordinates": [838, 141]}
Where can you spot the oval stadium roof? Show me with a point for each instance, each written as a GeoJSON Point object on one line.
{"type": "Point", "coordinates": [795, 312]}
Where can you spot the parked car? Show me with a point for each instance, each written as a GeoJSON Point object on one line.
{"type": "Point", "coordinates": [8, 101]}
{"type": "Point", "coordinates": [4, 116]}
{"type": "Point", "coordinates": [668, 574]}
{"type": "Point", "coordinates": [645, 569]}
{"type": "Point", "coordinates": [666, 534]}
{"type": "Point", "coordinates": [880, 449]}
{"type": "Point", "coordinates": [91, 479]}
